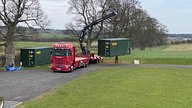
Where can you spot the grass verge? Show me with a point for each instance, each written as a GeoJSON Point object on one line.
{"type": "Point", "coordinates": [122, 88]}
{"type": "Point", "coordinates": [157, 55]}
{"type": "Point", "coordinates": [42, 67]}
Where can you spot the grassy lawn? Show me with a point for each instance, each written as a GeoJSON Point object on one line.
{"type": "Point", "coordinates": [168, 54]}
{"type": "Point", "coordinates": [122, 88]}
{"type": "Point", "coordinates": [19, 45]}
{"type": "Point", "coordinates": [179, 47]}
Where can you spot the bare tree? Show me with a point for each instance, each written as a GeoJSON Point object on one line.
{"type": "Point", "coordinates": [14, 12]}
{"type": "Point", "coordinates": [134, 22]}
{"type": "Point", "coordinates": [87, 11]}
{"type": "Point", "coordinates": [131, 21]}
{"type": "Point", "coordinates": [146, 31]}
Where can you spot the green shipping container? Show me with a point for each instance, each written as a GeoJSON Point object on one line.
{"type": "Point", "coordinates": [35, 56]}
{"type": "Point", "coordinates": [114, 47]}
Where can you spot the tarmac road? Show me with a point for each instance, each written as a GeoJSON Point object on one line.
{"type": "Point", "coordinates": [20, 86]}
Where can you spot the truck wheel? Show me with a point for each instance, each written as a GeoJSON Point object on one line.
{"type": "Point", "coordinates": [97, 61]}
{"type": "Point", "coordinates": [85, 65]}
{"type": "Point", "coordinates": [71, 68]}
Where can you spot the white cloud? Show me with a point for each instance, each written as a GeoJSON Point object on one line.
{"type": "Point", "coordinates": [56, 10]}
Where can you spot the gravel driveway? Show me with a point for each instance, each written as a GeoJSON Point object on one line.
{"type": "Point", "coordinates": [23, 85]}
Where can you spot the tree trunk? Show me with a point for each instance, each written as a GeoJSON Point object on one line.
{"type": "Point", "coordinates": [142, 46]}
{"type": "Point", "coordinates": [88, 45]}
{"type": "Point", "coordinates": [9, 48]}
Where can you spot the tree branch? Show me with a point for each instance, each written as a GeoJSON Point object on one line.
{"type": "Point", "coordinates": [3, 19]}
{"type": "Point", "coordinates": [2, 34]}
{"type": "Point", "coordinates": [30, 26]}
{"type": "Point", "coordinates": [25, 20]}
{"type": "Point", "coordinates": [1, 45]}
{"type": "Point", "coordinates": [4, 10]}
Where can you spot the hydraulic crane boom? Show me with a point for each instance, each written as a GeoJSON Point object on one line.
{"type": "Point", "coordinates": [83, 32]}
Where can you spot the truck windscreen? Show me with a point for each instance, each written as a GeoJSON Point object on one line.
{"type": "Point", "coordinates": [60, 52]}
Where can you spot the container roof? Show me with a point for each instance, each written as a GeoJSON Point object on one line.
{"type": "Point", "coordinates": [37, 48]}
{"type": "Point", "coordinates": [115, 39]}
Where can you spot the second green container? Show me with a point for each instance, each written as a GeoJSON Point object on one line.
{"type": "Point", "coordinates": [35, 56]}
{"type": "Point", "coordinates": [114, 47]}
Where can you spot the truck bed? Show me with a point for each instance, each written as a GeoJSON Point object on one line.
{"type": "Point", "coordinates": [80, 58]}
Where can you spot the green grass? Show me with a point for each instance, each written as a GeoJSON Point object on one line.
{"type": "Point", "coordinates": [157, 55]}
{"type": "Point", "coordinates": [41, 67]}
{"type": "Point", "coordinates": [19, 45]}
{"type": "Point", "coordinates": [122, 88]}
{"type": "Point", "coordinates": [158, 52]}
{"type": "Point", "coordinates": [2, 68]}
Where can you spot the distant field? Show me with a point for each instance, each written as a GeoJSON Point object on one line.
{"type": "Point", "coordinates": [162, 52]}
{"type": "Point", "coordinates": [180, 47]}
{"type": "Point", "coordinates": [122, 88]}
{"type": "Point", "coordinates": [59, 36]}
{"type": "Point", "coordinates": [20, 44]}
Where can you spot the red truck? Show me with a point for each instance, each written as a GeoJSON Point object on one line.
{"type": "Point", "coordinates": [64, 56]}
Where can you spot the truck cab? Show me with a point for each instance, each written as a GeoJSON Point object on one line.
{"type": "Point", "coordinates": [62, 57]}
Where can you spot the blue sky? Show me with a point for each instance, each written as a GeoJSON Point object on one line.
{"type": "Point", "coordinates": [175, 14]}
